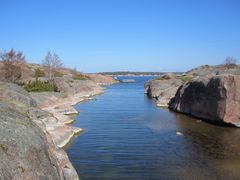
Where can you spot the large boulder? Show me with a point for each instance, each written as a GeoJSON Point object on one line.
{"type": "Point", "coordinates": [214, 98]}
{"type": "Point", "coordinates": [165, 87]}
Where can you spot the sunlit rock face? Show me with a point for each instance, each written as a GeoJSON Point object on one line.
{"type": "Point", "coordinates": [215, 98]}
{"type": "Point", "coordinates": [162, 89]}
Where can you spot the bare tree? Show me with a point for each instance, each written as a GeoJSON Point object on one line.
{"type": "Point", "coordinates": [52, 63]}
{"type": "Point", "coordinates": [13, 63]}
{"type": "Point", "coordinates": [230, 62]}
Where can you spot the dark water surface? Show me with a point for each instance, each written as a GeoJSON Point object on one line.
{"type": "Point", "coordinates": [127, 137]}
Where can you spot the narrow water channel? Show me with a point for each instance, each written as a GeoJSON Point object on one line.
{"type": "Point", "coordinates": [127, 137]}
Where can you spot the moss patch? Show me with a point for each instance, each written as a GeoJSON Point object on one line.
{"type": "Point", "coordinates": [4, 147]}
{"type": "Point", "coordinates": [185, 78]}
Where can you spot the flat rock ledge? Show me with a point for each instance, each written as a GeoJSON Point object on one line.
{"type": "Point", "coordinates": [61, 111]}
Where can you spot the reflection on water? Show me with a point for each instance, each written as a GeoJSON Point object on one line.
{"type": "Point", "coordinates": [217, 147]}
{"type": "Point", "coordinates": [126, 136]}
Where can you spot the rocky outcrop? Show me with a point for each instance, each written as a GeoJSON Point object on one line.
{"type": "Point", "coordinates": [12, 92]}
{"type": "Point", "coordinates": [69, 86]}
{"type": "Point", "coordinates": [214, 98]}
{"type": "Point", "coordinates": [165, 87]}
{"type": "Point", "coordinates": [40, 123]}
{"type": "Point", "coordinates": [162, 89]}
{"type": "Point", "coordinates": [46, 117]}
{"type": "Point", "coordinates": [207, 70]}
{"type": "Point", "coordinates": [102, 79]}
{"type": "Point", "coordinates": [27, 150]}
{"type": "Point", "coordinates": [206, 92]}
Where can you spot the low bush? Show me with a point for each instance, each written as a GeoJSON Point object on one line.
{"type": "Point", "coordinates": [40, 86]}
{"type": "Point", "coordinates": [164, 77]}
{"type": "Point", "coordinates": [230, 62]}
{"type": "Point", "coordinates": [13, 63]}
{"type": "Point", "coordinates": [38, 73]}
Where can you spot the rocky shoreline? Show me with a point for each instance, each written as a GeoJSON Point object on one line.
{"type": "Point", "coordinates": [35, 128]}
{"type": "Point", "coordinates": [207, 92]}
{"type": "Point", "coordinates": [62, 131]}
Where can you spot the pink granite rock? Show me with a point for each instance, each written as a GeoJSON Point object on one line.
{"type": "Point", "coordinates": [214, 98]}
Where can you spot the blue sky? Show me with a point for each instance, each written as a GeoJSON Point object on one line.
{"type": "Point", "coordinates": [134, 35]}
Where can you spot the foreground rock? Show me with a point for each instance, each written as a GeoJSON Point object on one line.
{"type": "Point", "coordinates": [215, 98]}
{"type": "Point", "coordinates": [38, 124]}
{"type": "Point", "coordinates": [27, 150]}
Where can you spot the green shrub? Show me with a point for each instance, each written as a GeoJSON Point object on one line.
{"type": "Point", "coordinates": [40, 86]}
{"type": "Point", "coordinates": [164, 77]}
{"type": "Point", "coordinates": [38, 73]}
{"type": "Point", "coordinates": [4, 147]}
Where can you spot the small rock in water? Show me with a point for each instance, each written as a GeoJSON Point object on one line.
{"type": "Point", "coordinates": [198, 121]}
{"type": "Point", "coordinates": [179, 133]}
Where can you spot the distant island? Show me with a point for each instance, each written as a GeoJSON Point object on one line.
{"type": "Point", "coordinates": [133, 73]}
